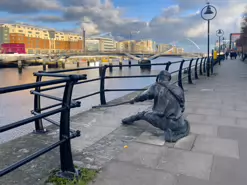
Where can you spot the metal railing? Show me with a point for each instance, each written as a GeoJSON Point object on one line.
{"type": "Point", "coordinates": [65, 134]}
{"type": "Point", "coordinates": [193, 71]}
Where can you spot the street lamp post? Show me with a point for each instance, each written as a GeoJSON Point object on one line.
{"type": "Point", "coordinates": [219, 33]}
{"type": "Point", "coordinates": [208, 14]}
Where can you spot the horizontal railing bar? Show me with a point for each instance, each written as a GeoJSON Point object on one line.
{"type": "Point", "coordinates": [47, 119]}
{"type": "Point", "coordinates": [30, 119]}
{"type": "Point", "coordinates": [109, 90]}
{"type": "Point", "coordinates": [76, 69]}
{"type": "Point", "coordinates": [133, 76]}
{"type": "Point", "coordinates": [60, 86]}
{"type": "Point", "coordinates": [31, 85]}
{"type": "Point", "coordinates": [51, 106]}
{"type": "Point", "coordinates": [185, 76]}
{"type": "Point", "coordinates": [30, 158]}
{"type": "Point", "coordinates": [175, 71]}
{"type": "Point", "coordinates": [85, 81]}
{"type": "Point", "coordinates": [138, 65]}
{"type": "Point", "coordinates": [52, 121]}
{"type": "Point", "coordinates": [51, 88]}
{"type": "Point", "coordinates": [88, 95]}
{"type": "Point", "coordinates": [46, 96]}
{"type": "Point", "coordinates": [83, 76]}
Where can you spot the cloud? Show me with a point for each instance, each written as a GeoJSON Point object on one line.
{"type": "Point", "coordinates": [28, 6]}
{"type": "Point", "coordinates": [48, 18]}
{"type": "Point", "coordinates": [174, 23]}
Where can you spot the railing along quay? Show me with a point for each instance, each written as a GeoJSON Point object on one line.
{"type": "Point", "coordinates": [196, 67]}
{"type": "Point", "coordinates": [65, 132]}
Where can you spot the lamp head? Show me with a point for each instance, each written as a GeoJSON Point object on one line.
{"type": "Point", "coordinates": [208, 10]}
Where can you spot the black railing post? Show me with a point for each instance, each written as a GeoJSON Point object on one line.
{"type": "Point", "coordinates": [201, 63]}
{"type": "Point", "coordinates": [129, 63]}
{"type": "Point", "coordinates": [102, 85]}
{"type": "Point", "coordinates": [65, 148]}
{"type": "Point", "coordinates": [204, 65]}
{"type": "Point", "coordinates": [39, 128]}
{"type": "Point", "coordinates": [219, 59]}
{"type": "Point", "coordinates": [168, 65]}
{"type": "Point", "coordinates": [196, 69]}
{"type": "Point", "coordinates": [189, 71]}
{"type": "Point", "coordinates": [180, 73]}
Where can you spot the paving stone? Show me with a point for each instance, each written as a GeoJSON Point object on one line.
{"type": "Point", "coordinates": [186, 143]}
{"type": "Point", "coordinates": [207, 111]}
{"type": "Point", "coordinates": [209, 105]}
{"type": "Point", "coordinates": [185, 180]}
{"type": "Point", "coordinates": [196, 118]}
{"type": "Point", "coordinates": [235, 114]}
{"type": "Point", "coordinates": [150, 138]}
{"type": "Point", "coordinates": [119, 173]}
{"type": "Point", "coordinates": [240, 107]}
{"type": "Point", "coordinates": [203, 129]}
{"type": "Point", "coordinates": [219, 120]}
{"type": "Point", "coordinates": [188, 163]}
{"type": "Point", "coordinates": [241, 122]}
{"type": "Point", "coordinates": [239, 134]}
{"type": "Point", "coordinates": [217, 146]}
{"type": "Point", "coordinates": [89, 136]}
{"type": "Point", "coordinates": [142, 154]}
{"type": "Point", "coordinates": [228, 171]}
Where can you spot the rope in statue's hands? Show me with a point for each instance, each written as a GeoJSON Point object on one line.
{"type": "Point", "coordinates": [117, 104]}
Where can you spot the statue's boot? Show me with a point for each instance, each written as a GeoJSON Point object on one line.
{"type": "Point", "coordinates": [174, 136]}
{"type": "Point", "coordinates": [131, 119]}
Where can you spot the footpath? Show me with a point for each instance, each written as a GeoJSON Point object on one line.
{"type": "Point", "coordinates": [215, 152]}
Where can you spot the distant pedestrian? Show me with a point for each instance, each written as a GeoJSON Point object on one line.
{"type": "Point", "coordinates": [227, 54]}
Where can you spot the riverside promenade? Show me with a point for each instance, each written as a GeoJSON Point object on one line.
{"type": "Point", "coordinates": [215, 152]}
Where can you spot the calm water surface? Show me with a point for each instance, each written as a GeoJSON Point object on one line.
{"type": "Point", "coordinates": [17, 105]}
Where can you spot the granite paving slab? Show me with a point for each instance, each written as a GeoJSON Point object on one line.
{"type": "Point", "coordinates": [186, 162]}
{"type": "Point", "coordinates": [217, 146]}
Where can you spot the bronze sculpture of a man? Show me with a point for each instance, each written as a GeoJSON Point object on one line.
{"type": "Point", "coordinates": [168, 108]}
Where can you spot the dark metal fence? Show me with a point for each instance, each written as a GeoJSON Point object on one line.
{"type": "Point", "coordinates": [196, 67]}
{"type": "Point", "coordinates": [65, 132]}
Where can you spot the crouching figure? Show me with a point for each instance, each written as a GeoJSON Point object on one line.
{"type": "Point", "coordinates": [168, 108]}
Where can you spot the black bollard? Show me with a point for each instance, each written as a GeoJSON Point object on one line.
{"type": "Point", "coordinates": [44, 66]}
{"type": "Point", "coordinates": [100, 69]}
{"type": "Point", "coordinates": [120, 65]}
{"type": "Point", "coordinates": [110, 67]}
{"type": "Point", "coordinates": [88, 63]}
{"type": "Point", "coordinates": [78, 64]}
{"type": "Point", "coordinates": [63, 65]}
{"type": "Point", "coordinates": [129, 63]}
{"type": "Point", "coordinates": [19, 66]}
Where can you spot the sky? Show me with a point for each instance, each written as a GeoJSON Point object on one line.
{"type": "Point", "coordinates": [164, 21]}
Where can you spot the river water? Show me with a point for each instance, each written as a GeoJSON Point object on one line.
{"type": "Point", "coordinates": [16, 106]}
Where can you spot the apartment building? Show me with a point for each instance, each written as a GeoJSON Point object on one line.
{"type": "Point", "coordinates": [180, 50]}
{"type": "Point", "coordinates": [92, 45]}
{"type": "Point", "coordinates": [101, 44]}
{"type": "Point", "coordinates": [39, 40]}
{"type": "Point", "coordinates": [164, 47]}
